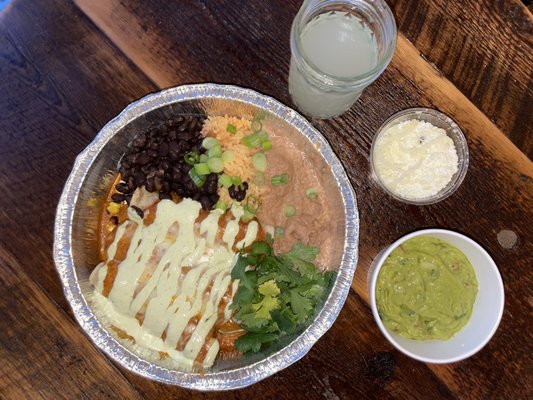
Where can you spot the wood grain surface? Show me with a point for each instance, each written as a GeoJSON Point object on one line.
{"type": "Point", "coordinates": [68, 68]}
{"type": "Point", "coordinates": [488, 57]}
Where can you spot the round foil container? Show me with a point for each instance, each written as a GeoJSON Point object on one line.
{"type": "Point", "coordinates": [75, 251]}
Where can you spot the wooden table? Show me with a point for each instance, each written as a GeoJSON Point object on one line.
{"type": "Point", "coordinates": [67, 68]}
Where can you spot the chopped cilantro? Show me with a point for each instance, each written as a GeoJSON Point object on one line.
{"type": "Point", "coordinates": [277, 294]}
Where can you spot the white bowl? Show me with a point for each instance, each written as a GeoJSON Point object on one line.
{"type": "Point", "coordinates": [486, 314]}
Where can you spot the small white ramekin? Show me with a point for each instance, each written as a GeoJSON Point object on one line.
{"type": "Point", "coordinates": [453, 131]}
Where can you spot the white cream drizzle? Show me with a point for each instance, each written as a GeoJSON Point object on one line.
{"type": "Point", "coordinates": [149, 280]}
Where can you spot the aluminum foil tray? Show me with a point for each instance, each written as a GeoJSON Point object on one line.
{"type": "Point", "coordinates": [75, 251]}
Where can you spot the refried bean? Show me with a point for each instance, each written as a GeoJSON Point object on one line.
{"type": "Point", "coordinates": [316, 221]}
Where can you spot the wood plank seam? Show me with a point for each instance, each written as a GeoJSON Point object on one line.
{"type": "Point", "coordinates": [112, 44]}
{"type": "Point", "coordinates": [403, 44]}
{"type": "Point", "coordinates": [13, 262]}
{"type": "Point", "coordinates": [408, 51]}
{"type": "Point", "coordinates": [30, 61]}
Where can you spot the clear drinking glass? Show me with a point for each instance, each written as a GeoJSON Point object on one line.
{"type": "Point", "coordinates": [338, 48]}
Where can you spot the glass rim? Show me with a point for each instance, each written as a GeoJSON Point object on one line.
{"type": "Point", "coordinates": [330, 80]}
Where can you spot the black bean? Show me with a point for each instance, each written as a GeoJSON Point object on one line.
{"type": "Point", "coordinates": [140, 179]}
{"type": "Point", "coordinates": [189, 185]}
{"type": "Point", "coordinates": [175, 147]}
{"type": "Point", "coordinates": [211, 186]}
{"type": "Point", "coordinates": [188, 136]}
{"type": "Point", "coordinates": [240, 195]}
{"type": "Point", "coordinates": [152, 145]}
{"type": "Point", "coordinates": [163, 149]}
{"type": "Point", "coordinates": [164, 164]}
{"type": "Point", "coordinates": [139, 141]}
{"type": "Point", "coordinates": [158, 182]}
{"type": "Point", "coordinates": [197, 124]}
{"type": "Point", "coordinates": [139, 212]}
{"type": "Point", "coordinates": [214, 198]}
{"type": "Point", "coordinates": [130, 158]}
{"type": "Point", "coordinates": [245, 185]}
{"type": "Point", "coordinates": [206, 203]}
{"type": "Point", "coordinates": [152, 153]}
{"type": "Point", "coordinates": [118, 198]}
{"type": "Point", "coordinates": [131, 183]}
{"type": "Point", "coordinates": [126, 173]}
{"type": "Point", "coordinates": [114, 220]}
{"type": "Point", "coordinates": [154, 159]}
{"type": "Point", "coordinates": [236, 193]}
{"type": "Point", "coordinates": [177, 176]}
{"type": "Point", "coordinates": [150, 185]}
{"type": "Point", "coordinates": [165, 196]}
{"type": "Point", "coordinates": [143, 159]}
{"type": "Point", "coordinates": [151, 170]}
{"type": "Point", "coordinates": [123, 188]}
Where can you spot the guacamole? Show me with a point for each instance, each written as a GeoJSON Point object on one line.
{"type": "Point", "coordinates": [426, 289]}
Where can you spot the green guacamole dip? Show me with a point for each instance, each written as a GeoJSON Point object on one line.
{"type": "Point", "coordinates": [426, 289]}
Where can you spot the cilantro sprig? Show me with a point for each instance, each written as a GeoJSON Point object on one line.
{"type": "Point", "coordinates": [277, 294]}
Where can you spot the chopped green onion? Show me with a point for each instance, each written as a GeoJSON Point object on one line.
{"type": "Point", "coordinates": [228, 156]}
{"type": "Point", "coordinates": [236, 181]}
{"type": "Point", "coordinates": [215, 164]}
{"type": "Point", "coordinates": [260, 116]}
{"type": "Point", "coordinates": [259, 162]}
{"type": "Point", "coordinates": [209, 142]}
{"type": "Point", "coordinates": [231, 129]}
{"type": "Point", "coordinates": [191, 158]}
{"type": "Point", "coordinates": [214, 151]}
{"type": "Point", "coordinates": [225, 180]}
{"type": "Point", "coordinates": [202, 169]}
{"type": "Point", "coordinates": [198, 180]}
{"type": "Point", "coordinates": [251, 140]}
{"type": "Point", "coordinates": [259, 179]}
{"type": "Point", "coordinates": [256, 125]}
{"type": "Point", "coordinates": [282, 179]}
{"type": "Point", "coordinates": [252, 203]}
{"type": "Point", "coordinates": [311, 193]}
{"type": "Point", "coordinates": [289, 211]}
{"type": "Point", "coordinates": [262, 135]}
{"type": "Point", "coordinates": [250, 209]}
{"type": "Point", "coordinates": [203, 158]}
{"type": "Point", "coordinates": [248, 215]}
{"type": "Point", "coordinates": [267, 145]}
{"type": "Point", "coordinates": [221, 205]}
